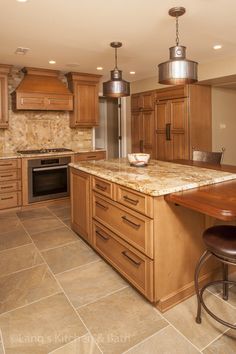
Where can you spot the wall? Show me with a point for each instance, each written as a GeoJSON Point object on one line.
{"type": "Point", "coordinates": [224, 123]}
{"type": "Point", "coordinates": [40, 129]}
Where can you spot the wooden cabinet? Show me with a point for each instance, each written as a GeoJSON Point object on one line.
{"type": "Point", "coordinates": [142, 130]}
{"type": "Point", "coordinates": [4, 71]}
{"type": "Point", "coordinates": [92, 155]}
{"type": "Point", "coordinates": [10, 183]}
{"type": "Point", "coordinates": [142, 101]}
{"type": "Point", "coordinates": [86, 109]}
{"type": "Point", "coordinates": [182, 121]}
{"type": "Point", "coordinates": [80, 203]}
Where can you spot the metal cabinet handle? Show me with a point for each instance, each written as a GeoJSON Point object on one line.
{"type": "Point", "coordinates": [92, 157]}
{"type": "Point", "coordinates": [168, 137]}
{"type": "Point", "coordinates": [104, 207]}
{"type": "Point", "coordinates": [6, 176]}
{"type": "Point", "coordinates": [6, 198]}
{"type": "Point", "coordinates": [131, 223]}
{"type": "Point", "coordinates": [131, 201]}
{"type": "Point", "coordinates": [105, 238]}
{"type": "Point", "coordinates": [8, 187]}
{"type": "Point", "coordinates": [141, 145]}
{"type": "Point", "coordinates": [6, 164]}
{"type": "Point", "coordinates": [102, 188]}
{"type": "Point", "coordinates": [125, 253]}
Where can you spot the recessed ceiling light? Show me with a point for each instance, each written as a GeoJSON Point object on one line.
{"type": "Point", "coordinates": [217, 46]}
{"type": "Point", "coordinates": [21, 50]}
{"type": "Point", "coordinates": [22, 0]}
{"type": "Point", "coordinates": [52, 62]}
{"type": "Point", "coordinates": [132, 72]}
{"type": "Point", "coordinates": [99, 68]}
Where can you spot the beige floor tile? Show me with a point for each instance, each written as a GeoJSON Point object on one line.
{"type": "Point", "coordinates": [232, 296]}
{"type": "Point", "coordinates": [90, 282]}
{"type": "Point", "coordinates": [45, 223]}
{"type": "Point", "coordinates": [41, 327]}
{"type": "Point", "coordinates": [121, 320]}
{"type": "Point", "coordinates": [19, 258]}
{"type": "Point", "coordinates": [167, 341]}
{"type": "Point", "coordinates": [53, 238]}
{"type": "Point", "coordinates": [62, 213]}
{"type": "Point", "coordinates": [83, 345]}
{"type": "Point", "coordinates": [183, 316]}
{"type": "Point", "coordinates": [69, 256]}
{"type": "Point", "coordinates": [16, 237]}
{"type": "Point", "coordinates": [57, 206]}
{"type": "Point", "coordinates": [26, 286]}
{"type": "Point", "coordinates": [8, 222]}
{"type": "Point", "coordinates": [226, 344]}
{"type": "Point", "coordinates": [33, 213]}
{"type": "Point", "coordinates": [67, 222]}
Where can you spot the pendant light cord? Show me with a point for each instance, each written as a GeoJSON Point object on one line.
{"type": "Point", "coordinates": [177, 30]}
{"type": "Point", "coordinates": [116, 58]}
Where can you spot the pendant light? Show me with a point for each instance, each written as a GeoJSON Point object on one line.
{"type": "Point", "coordinates": [178, 70]}
{"type": "Point", "coordinates": [116, 87]}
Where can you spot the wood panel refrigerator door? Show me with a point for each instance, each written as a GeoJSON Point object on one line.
{"type": "Point", "coordinates": [136, 131]}
{"type": "Point", "coordinates": [179, 129]}
{"type": "Point", "coordinates": [161, 119]}
{"type": "Point", "coordinates": [148, 132]}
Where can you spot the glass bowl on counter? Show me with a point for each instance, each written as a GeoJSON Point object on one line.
{"type": "Point", "coordinates": [138, 159]}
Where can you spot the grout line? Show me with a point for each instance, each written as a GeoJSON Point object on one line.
{"type": "Point", "coordinates": [13, 248]}
{"type": "Point", "coordinates": [22, 270]}
{"type": "Point", "coordinates": [226, 302]}
{"type": "Point", "coordinates": [62, 290]}
{"type": "Point", "coordinates": [145, 339]}
{"type": "Point", "coordinates": [3, 346]}
{"type": "Point", "coordinates": [30, 303]}
{"type": "Point", "coordinates": [215, 339]}
{"type": "Point", "coordinates": [102, 297]}
{"type": "Point", "coordinates": [176, 329]}
{"type": "Point", "coordinates": [82, 265]}
{"type": "Point", "coordinates": [53, 248]}
{"type": "Point", "coordinates": [39, 232]}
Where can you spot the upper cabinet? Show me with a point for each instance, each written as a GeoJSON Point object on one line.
{"type": "Point", "coordinates": [4, 71]}
{"type": "Point", "coordinates": [85, 88]}
{"type": "Point", "coordinates": [143, 101]}
{"type": "Point", "coordinates": [42, 89]}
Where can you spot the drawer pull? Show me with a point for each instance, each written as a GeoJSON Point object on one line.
{"type": "Point", "coordinates": [102, 188]}
{"type": "Point", "coordinates": [92, 157]}
{"type": "Point", "coordinates": [6, 198]}
{"type": "Point", "coordinates": [129, 200]}
{"type": "Point", "coordinates": [6, 164]}
{"type": "Point", "coordinates": [101, 206]}
{"type": "Point", "coordinates": [7, 187]}
{"type": "Point", "coordinates": [105, 238]}
{"type": "Point", "coordinates": [125, 253]}
{"type": "Point", "coordinates": [131, 223]}
{"type": "Point", "coordinates": [6, 176]}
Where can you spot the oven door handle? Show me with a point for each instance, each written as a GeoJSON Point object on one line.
{"type": "Point", "coordinates": [49, 168]}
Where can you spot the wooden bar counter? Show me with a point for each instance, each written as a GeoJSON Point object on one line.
{"type": "Point", "coordinates": [147, 222]}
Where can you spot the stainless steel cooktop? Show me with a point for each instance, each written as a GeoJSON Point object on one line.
{"type": "Point", "coordinates": [43, 151]}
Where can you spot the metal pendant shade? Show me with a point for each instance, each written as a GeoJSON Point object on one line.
{"type": "Point", "coordinates": [116, 87]}
{"type": "Point", "coordinates": [178, 70]}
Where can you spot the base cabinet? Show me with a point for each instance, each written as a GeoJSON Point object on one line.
{"type": "Point", "coordinates": [10, 183]}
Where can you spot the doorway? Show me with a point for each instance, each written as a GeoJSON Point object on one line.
{"type": "Point", "coordinates": [108, 133]}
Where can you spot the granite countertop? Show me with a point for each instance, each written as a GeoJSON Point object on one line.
{"type": "Point", "coordinates": [158, 178]}
{"type": "Point", "coordinates": [15, 155]}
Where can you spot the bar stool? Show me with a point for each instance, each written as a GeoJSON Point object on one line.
{"type": "Point", "coordinates": [220, 243]}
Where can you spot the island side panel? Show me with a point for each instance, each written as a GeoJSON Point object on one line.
{"type": "Point", "coordinates": [177, 247]}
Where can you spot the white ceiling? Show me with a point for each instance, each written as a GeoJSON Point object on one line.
{"type": "Point", "coordinates": [75, 31]}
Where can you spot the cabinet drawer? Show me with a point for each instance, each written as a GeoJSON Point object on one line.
{"type": "Point", "coordinates": [99, 155]}
{"type": "Point", "coordinates": [6, 187]}
{"type": "Point", "coordinates": [136, 267]}
{"type": "Point", "coordinates": [172, 92]}
{"type": "Point", "coordinates": [135, 200]}
{"type": "Point", "coordinates": [10, 200]}
{"type": "Point", "coordinates": [103, 187]}
{"type": "Point", "coordinates": [9, 175]}
{"type": "Point", "coordinates": [134, 228]}
{"type": "Point", "coordinates": [9, 164]}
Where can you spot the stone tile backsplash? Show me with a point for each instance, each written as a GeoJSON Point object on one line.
{"type": "Point", "coordinates": [40, 129]}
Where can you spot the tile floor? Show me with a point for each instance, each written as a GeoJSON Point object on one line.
{"type": "Point", "coordinates": [57, 296]}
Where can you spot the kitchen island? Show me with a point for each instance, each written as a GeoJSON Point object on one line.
{"type": "Point", "coordinates": [122, 213]}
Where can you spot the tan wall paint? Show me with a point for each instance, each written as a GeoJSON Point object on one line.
{"type": "Point", "coordinates": [224, 123]}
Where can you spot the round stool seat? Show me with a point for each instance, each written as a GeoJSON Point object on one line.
{"type": "Point", "coordinates": [221, 241]}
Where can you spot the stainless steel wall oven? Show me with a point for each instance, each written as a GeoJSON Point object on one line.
{"type": "Point", "coordinates": [48, 178]}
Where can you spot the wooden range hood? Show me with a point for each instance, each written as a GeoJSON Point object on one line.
{"type": "Point", "coordinates": [42, 89]}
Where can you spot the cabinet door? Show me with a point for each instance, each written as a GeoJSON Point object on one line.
{"type": "Point", "coordinates": [136, 131]}
{"type": "Point", "coordinates": [80, 196]}
{"type": "Point", "coordinates": [148, 132]}
{"type": "Point", "coordinates": [136, 103]}
{"type": "Point", "coordinates": [162, 117]}
{"type": "Point", "coordinates": [179, 129]}
{"type": "Point", "coordinates": [148, 101]}
{"type": "Point", "coordinates": [86, 107]}
{"type": "Point", "coordinates": [3, 101]}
